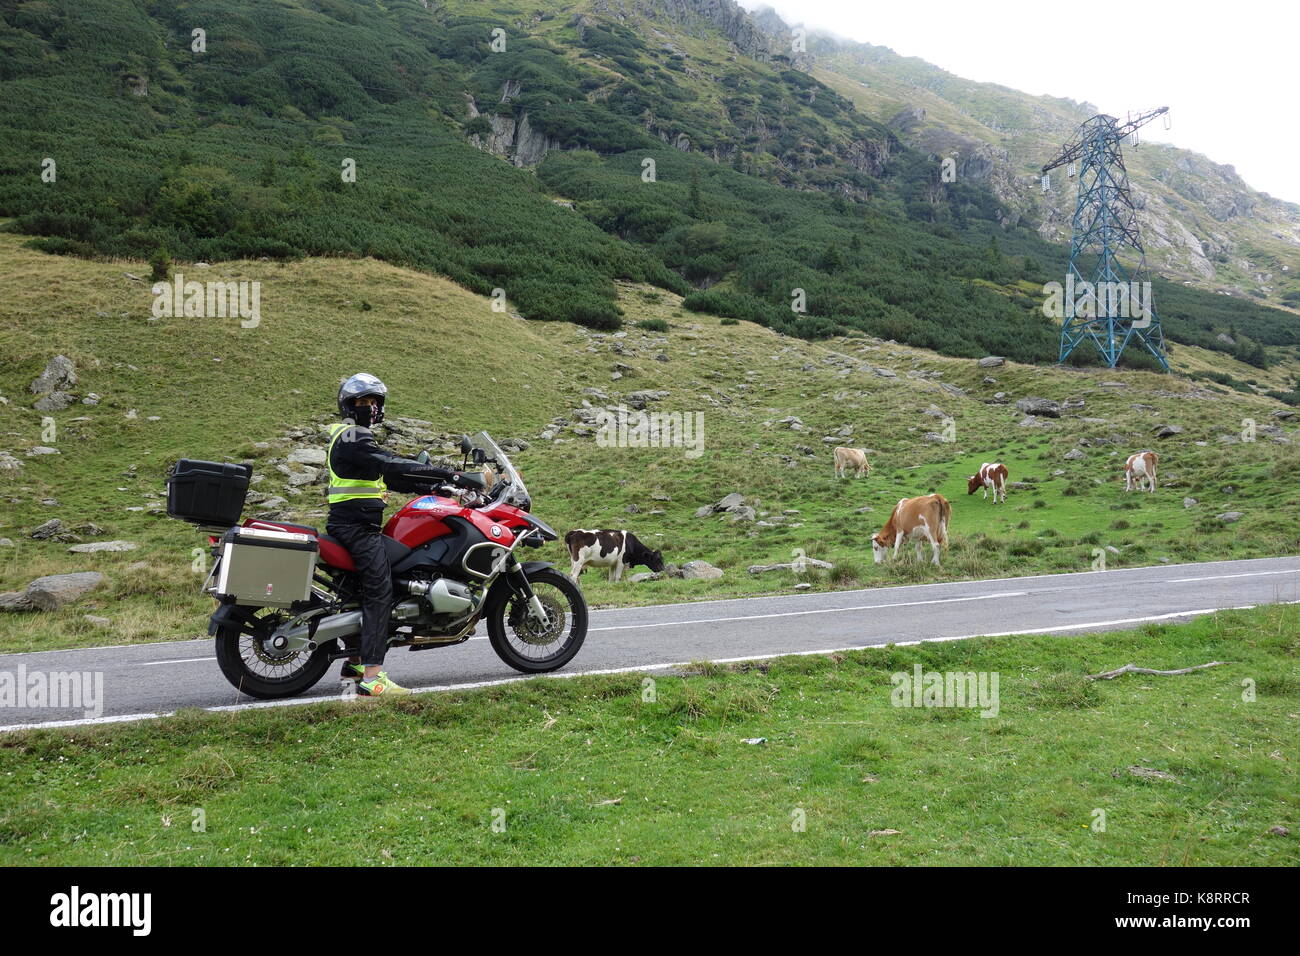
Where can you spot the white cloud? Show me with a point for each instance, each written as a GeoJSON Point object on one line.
{"type": "Point", "coordinates": [1228, 73]}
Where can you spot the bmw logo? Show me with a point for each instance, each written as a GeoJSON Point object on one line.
{"type": "Point", "coordinates": [496, 531]}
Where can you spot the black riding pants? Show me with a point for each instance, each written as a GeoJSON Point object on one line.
{"type": "Point", "coordinates": [358, 529]}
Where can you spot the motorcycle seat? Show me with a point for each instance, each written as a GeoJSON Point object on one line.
{"type": "Point", "coordinates": [335, 554]}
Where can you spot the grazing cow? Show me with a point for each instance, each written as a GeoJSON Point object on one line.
{"type": "Point", "coordinates": [851, 458]}
{"type": "Point", "coordinates": [615, 550]}
{"type": "Point", "coordinates": [991, 475]}
{"type": "Point", "coordinates": [1140, 469]}
{"type": "Point", "coordinates": [920, 518]}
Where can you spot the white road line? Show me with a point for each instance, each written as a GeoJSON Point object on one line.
{"type": "Point", "coordinates": [179, 660]}
{"type": "Point", "coordinates": [820, 610]}
{"type": "Point", "coordinates": [629, 669]}
{"type": "Point", "coordinates": [1222, 577]}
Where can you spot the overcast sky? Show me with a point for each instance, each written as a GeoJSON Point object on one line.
{"type": "Point", "coordinates": [1229, 73]}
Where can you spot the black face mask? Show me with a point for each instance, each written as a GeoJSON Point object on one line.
{"type": "Point", "coordinates": [365, 416]}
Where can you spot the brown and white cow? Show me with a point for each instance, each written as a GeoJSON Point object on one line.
{"type": "Point", "coordinates": [614, 550]}
{"type": "Point", "coordinates": [1140, 470]}
{"type": "Point", "coordinates": [851, 459]}
{"type": "Point", "coordinates": [924, 518]}
{"type": "Point", "coordinates": [991, 475]}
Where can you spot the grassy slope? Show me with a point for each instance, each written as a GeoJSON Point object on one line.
{"type": "Point", "coordinates": [589, 772]}
{"type": "Point", "coordinates": [451, 360]}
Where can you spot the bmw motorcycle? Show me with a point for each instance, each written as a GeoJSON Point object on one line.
{"type": "Point", "coordinates": [456, 562]}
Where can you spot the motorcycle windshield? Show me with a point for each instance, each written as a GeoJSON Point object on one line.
{"type": "Point", "coordinates": [509, 488]}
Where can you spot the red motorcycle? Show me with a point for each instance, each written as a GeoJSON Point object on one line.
{"type": "Point", "coordinates": [290, 597]}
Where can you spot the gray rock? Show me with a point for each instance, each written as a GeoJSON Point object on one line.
{"type": "Point", "coordinates": [1189, 502]}
{"type": "Point", "coordinates": [55, 590]}
{"type": "Point", "coordinates": [305, 477]}
{"type": "Point", "coordinates": [9, 463]}
{"type": "Point", "coordinates": [49, 529]}
{"type": "Point", "coordinates": [41, 450]}
{"type": "Point", "coordinates": [53, 402]}
{"type": "Point", "coordinates": [97, 620]}
{"type": "Point", "coordinates": [991, 361]}
{"type": "Point", "coordinates": [1042, 407]}
{"type": "Point", "coordinates": [59, 374]}
{"type": "Point", "coordinates": [730, 502]}
{"type": "Point", "coordinates": [700, 571]}
{"type": "Point", "coordinates": [307, 456]}
{"type": "Point", "coordinates": [1074, 454]}
{"type": "Point", "coordinates": [1230, 517]}
{"type": "Point", "coordinates": [95, 546]}
{"type": "Point", "coordinates": [790, 566]}
{"type": "Point", "coordinates": [14, 601]}
{"type": "Point", "coordinates": [1165, 431]}
{"type": "Point", "coordinates": [6, 543]}
{"type": "Point", "coordinates": [644, 576]}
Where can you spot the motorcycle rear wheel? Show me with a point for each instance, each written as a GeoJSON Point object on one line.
{"type": "Point", "coordinates": [238, 655]}
{"type": "Point", "coordinates": [514, 640]}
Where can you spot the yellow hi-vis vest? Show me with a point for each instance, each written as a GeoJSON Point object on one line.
{"type": "Point", "coordinates": [347, 489]}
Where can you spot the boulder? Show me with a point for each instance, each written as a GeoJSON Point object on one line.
{"type": "Point", "coordinates": [1042, 407]}
{"type": "Point", "coordinates": [1074, 454]}
{"type": "Point", "coordinates": [991, 361]}
{"type": "Point", "coordinates": [1189, 502]}
{"type": "Point", "coordinates": [53, 402]}
{"type": "Point", "coordinates": [96, 546]}
{"type": "Point", "coordinates": [59, 374]}
{"type": "Point", "coordinates": [1165, 431]}
{"type": "Point", "coordinates": [307, 456]}
{"type": "Point", "coordinates": [1230, 517]}
{"type": "Point", "coordinates": [791, 566]}
{"type": "Point", "coordinates": [700, 571]}
{"type": "Point", "coordinates": [55, 590]}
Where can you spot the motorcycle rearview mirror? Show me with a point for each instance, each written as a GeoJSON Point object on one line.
{"type": "Point", "coordinates": [423, 457]}
{"type": "Point", "coordinates": [464, 444]}
{"type": "Point", "coordinates": [479, 456]}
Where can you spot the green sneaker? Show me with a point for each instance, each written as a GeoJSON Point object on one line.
{"type": "Point", "coordinates": [380, 686]}
{"type": "Point", "coordinates": [352, 671]}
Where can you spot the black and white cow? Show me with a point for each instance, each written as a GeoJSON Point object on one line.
{"type": "Point", "coordinates": [614, 550]}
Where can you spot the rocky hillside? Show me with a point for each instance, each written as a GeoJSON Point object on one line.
{"type": "Point", "coordinates": [1201, 222]}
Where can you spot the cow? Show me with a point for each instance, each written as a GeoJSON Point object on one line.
{"type": "Point", "coordinates": [920, 518]}
{"type": "Point", "coordinates": [991, 475]}
{"type": "Point", "coordinates": [614, 550]}
{"type": "Point", "coordinates": [1140, 469]}
{"type": "Point", "coordinates": [851, 458]}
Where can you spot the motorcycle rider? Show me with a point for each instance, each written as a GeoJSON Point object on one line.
{"type": "Point", "coordinates": [359, 473]}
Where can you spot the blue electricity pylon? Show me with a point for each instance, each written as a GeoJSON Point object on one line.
{"type": "Point", "coordinates": [1104, 302]}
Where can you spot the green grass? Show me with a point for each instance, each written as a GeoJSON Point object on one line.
{"type": "Point", "coordinates": [588, 771]}
{"type": "Point", "coordinates": [425, 336]}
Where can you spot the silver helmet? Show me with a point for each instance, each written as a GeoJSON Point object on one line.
{"type": "Point", "coordinates": [363, 383]}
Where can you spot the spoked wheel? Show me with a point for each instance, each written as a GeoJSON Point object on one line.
{"type": "Point", "coordinates": [520, 641]}
{"type": "Point", "coordinates": [258, 670]}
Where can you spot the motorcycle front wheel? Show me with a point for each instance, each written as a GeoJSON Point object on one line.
{"type": "Point", "coordinates": [259, 671]}
{"type": "Point", "coordinates": [517, 639]}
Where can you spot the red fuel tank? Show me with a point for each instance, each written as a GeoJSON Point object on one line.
{"type": "Point", "coordinates": [424, 519]}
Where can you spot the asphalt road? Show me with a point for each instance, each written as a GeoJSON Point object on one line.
{"type": "Point", "coordinates": [149, 680]}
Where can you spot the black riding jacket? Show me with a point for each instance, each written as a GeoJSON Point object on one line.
{"type": "Point", "coordinates": [358, 455]}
